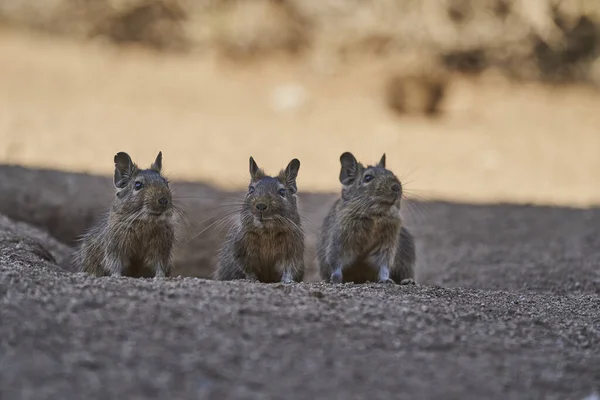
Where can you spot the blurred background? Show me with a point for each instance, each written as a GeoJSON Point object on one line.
{"type": "Point", "coordinates": [477, 101]}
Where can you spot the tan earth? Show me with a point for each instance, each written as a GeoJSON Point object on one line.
{"type": "Point", "coordinates": [71, 106]}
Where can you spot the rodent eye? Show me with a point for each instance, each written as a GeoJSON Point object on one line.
{"type": "Point", "coordinates": [368, 178]}
{"type": "Point", "coordinates": [138, 185]}
{"type": "Point", "coordinates": [282, 192]}
{"type": "Point", "coordinates": [250, 190]}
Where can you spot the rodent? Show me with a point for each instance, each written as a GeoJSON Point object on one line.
{"type": "Point", "coordinates": [362, 238]}
{"type": "Point", "coordinates": [136, 236]}
{"type": "Point", "coordinates": [266, 242]}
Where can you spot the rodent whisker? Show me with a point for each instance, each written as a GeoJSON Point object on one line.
{"type": "Point", "coordinates": [415, 209]}
{"type": "Point", "coordinates": [410, 192]}
{"type": "Point", "coordinates": [201, 197]}
{"type": "Point", "coordinates": [225, 206]}
{"type": "Point", "coordinates": [179, 213]}
{"type": "Point", "coordinates": [220, 220]}
{"type": "Point", "coordinates": [311, 225]}
{"type": "Point", "coordinates": [123, 227]}
{"type": "Point", "coordinates": [407, 174]}
{"type": "Point", "coordinates": [177, 195]}
{"type": "Point", "coordinates": [217, 216]}
{"type": "Point", "coordinates": [225, 221]}
{"type": "Point", "coordinates": [416, 193]}
{"type": "Point", "coordinates": [361, 204]}
{"type": "Point", "coordinates": [128, 221]}
{"type": "Point", "coordinates": [414, 201]}
{"type": "Point", "coordinates": [297, 232]}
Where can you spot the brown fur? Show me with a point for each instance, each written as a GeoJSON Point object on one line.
{"type": "Point", "coordinates": [135, 237]}
{"type": "Point", "coordinates": [362, 238]}
{"type": "Point", "coordinates": [266, 245]}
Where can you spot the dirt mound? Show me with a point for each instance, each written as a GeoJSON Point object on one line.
{"type": "Point", "coordinates": [527, 39]}
{"type": "Point", "coordinates": [23, 244]}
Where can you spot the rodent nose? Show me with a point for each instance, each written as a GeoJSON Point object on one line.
{"type": "Point", "coordinates": [396, 187]}
{"type": "Point", "coordinates": [163, 201]}
{"type": "Point", "coordinates": [261, 206]}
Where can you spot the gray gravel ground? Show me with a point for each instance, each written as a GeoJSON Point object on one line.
{"type": "Point", "coordinates": [509, 308]}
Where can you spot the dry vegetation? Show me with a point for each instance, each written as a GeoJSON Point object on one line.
{"type": "Point", "coordinates": [527, 39]}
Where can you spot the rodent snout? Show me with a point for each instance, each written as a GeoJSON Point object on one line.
{"type": "Point", "coordinates": [261, 207]}
{"type": "Point", "coordinates": [396, 187]}
{"type": "Point", "coordinates": [163, 201]}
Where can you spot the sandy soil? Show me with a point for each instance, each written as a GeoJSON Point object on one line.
{"type": "Point", "coordinates": [70, 106]}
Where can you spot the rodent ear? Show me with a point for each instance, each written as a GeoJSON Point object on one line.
{"type": "Point", "coordinates": [349, 169]}
{"type": "Point", "coordinates": [291, 173]}
{"type": "Point", "coordinates": [124, 169]}
{"type": "Point", "coordinates": [255, 172]}
{"type": "Point", "coordinates": [157, 164]}
{"type": "Point", "coordinates": [382, 161]}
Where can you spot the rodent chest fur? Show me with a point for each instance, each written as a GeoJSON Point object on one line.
{"type": "Point", "coordinates": [266, 250]}
{"type": "Point", "coordinates": [141, 236]}
{"type": "Point", "coordinates": [365, 236]}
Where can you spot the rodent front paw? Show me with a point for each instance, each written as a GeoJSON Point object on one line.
{"type": "Point", "coordinates": [336, 277]}
{"type": "Point", "coordinates": [408, 281]}
{"type": "Point", "coordinates": [287, 277]}
{"type": "Point", "coordinates": [388, 280]}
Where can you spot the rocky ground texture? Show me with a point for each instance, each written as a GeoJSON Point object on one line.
{"type": "Point", "coordinates": [508, 307]}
